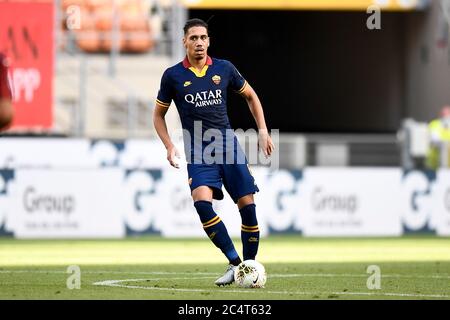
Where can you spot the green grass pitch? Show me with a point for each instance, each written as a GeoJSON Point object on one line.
{"type": "Point", "coordinates": [156, 268]}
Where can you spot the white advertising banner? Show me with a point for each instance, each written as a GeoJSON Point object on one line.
{"type": "Point", "coordinates": [441, 203]}
{"type": "Point", "coordinates": [44, 153]}
{"type": "Point", "coordinates": [173, 210]}
{"type": "Point", "coordinates": [66, 204]}
{"type": "Point", "coordinates": [350, 202]}
{"type": "Point", "coordinates": [160, 201]}
{"type": "Point", "coordinates": [416, 201]}
{"type": "Point", "coordinates": [64, 153]}
{"type": "Point", "coordinates": [277, 202]}
{"type": "Point", "coordinates": [143, 154]}
{"type": "Point", "coordinates": [163, 203]}
{"type": "Point", "coordinates": [80, 188]}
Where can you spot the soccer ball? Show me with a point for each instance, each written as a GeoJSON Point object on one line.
{"type": "Point", "coordinates": [250, 274]}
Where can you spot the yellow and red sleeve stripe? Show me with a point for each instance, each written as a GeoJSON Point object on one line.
{"type": "Point", "coordinates": [250, 228]}
{"type": "Point", "coordinates": [162, 104]}
{"type": "Point", "coordinates": [211, 222]}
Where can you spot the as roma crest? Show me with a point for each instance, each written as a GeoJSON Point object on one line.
{"type": "Point", "coordinates": [216, 79]}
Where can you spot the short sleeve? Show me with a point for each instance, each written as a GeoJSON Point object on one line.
{"type": "Point", "coordinates": [165, 93]}
{"type": "Point", "coordinates": [237, 81]}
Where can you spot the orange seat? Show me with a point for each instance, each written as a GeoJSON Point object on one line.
{"type": "Point", "coordinates": [97, 25]}
{"type": "Point", "coordinates": [88, 40]}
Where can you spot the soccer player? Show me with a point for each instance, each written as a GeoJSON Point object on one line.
{"type": "Point", "coordinates": [6, 110]}
{"type": "Point", "coordinates": [198, 86]}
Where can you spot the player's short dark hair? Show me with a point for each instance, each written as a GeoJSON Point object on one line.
{"type": "Point", "coordinates": [194, 23]}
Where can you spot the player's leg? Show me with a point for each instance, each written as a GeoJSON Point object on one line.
{"type": "Point", "coordinates": [240, 184]}
{"type": "Point", "coordinates": [212, 224]}
{"type": "Point", "coordinates": [216, 231]}
{"type": "Point", "coordinates": [249, 228]}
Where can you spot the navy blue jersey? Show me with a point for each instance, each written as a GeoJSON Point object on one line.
{"type": "Point", "coordinates": [200, 96]}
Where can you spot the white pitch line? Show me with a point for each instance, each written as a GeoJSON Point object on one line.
{"type": "Point", "coordinates": [293, 275]}
{"type": "Point", "coordinates": [155, 279]}
{"type": "Point", "coordinates": [343, 275]}
{"type": "Point", "coordinates": [394, 294]}
{"type": "Point", "coordinates": [112, 272]}
{"type": "Point", "coordinates": [31, 271]}
{"type": "Point", "coordinates": [118, 283]}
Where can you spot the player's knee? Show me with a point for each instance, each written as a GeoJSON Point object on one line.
{"type": "Point", "coordinates": [245, 201]}
{"type": "Point", "coordinates": [202, 193]}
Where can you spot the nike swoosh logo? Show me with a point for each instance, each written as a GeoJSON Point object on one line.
{"type": "Point", "coordinates": [256, 280]}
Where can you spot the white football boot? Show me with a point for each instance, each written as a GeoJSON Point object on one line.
{"type": "Point", "coordinates": [228, 277]}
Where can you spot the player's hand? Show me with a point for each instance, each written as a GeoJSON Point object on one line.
{"type": "Point", "coordinates": [265, 143]}
{"type": "Point", "coordinates": [172, 156]}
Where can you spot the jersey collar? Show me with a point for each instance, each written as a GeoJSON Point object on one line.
{"type": "Point", "coordinates": [187, 64]}
{"type": "Point", "coordinates": [201, 73]}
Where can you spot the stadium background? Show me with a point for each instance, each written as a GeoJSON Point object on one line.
{"type": "Point", "coordinates": [82, 160]}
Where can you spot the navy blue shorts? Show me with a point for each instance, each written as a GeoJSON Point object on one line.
{"type": "Point", "coordinates": [236, 178]}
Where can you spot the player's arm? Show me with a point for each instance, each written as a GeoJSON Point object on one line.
{"type": "Point", "coordinates": [160, 125]}
{"type": "Point", "coordinates": [265, 141]}
{"type": "Point", "coordinates": [165, 96]}
{"type": "Point", "coordinates": [6, 113]}
{"type": "Point", "coordinates": [6, 109]}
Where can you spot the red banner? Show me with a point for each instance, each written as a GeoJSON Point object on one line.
{"type": "Point", "coordinates": [26, 36]}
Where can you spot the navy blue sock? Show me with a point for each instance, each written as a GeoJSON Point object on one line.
{"type": "Point", "coordinates": [249, 231]}
{"type": "Point", "coordinates": [216, 230]}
